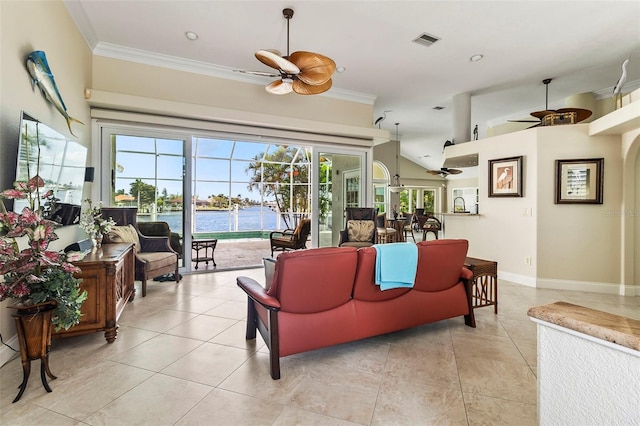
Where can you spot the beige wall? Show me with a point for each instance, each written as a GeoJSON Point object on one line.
{"type": "Point", "coordinates": [27, 26]}
{"type": "Point", "coordinates": [578, 242]}
{"type": "Point", "coordinates": [574, 246]}
{"type": "Point", "coordinates": [113, 75]}
{"type": "Point", "coordinates": [502, 232]}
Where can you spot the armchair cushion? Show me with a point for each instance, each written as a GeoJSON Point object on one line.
{"type": "Point", "coordinates": [360, 230]}
{"type": "Point", "coordinates": [123, 234]}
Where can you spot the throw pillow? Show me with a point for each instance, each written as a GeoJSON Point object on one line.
{"type": "Point", "coordinates": [360, 230]}
{"type": "Point", "coordinates": [123, 234]}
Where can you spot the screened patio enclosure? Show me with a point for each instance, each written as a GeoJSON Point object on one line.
{"type": "Point", "coordinates": [238, 188]}
{"type": "Point", "coordinates": [229, 187]}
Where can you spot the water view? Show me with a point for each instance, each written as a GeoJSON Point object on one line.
{"type": "Point", "coordinates": [248, 219]}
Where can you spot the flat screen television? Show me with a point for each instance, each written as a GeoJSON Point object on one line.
{"type": "Point", "coordinates": [59, 161]}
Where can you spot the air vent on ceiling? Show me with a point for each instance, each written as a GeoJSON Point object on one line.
{"type": "Point", "coordinates": [426, 39]}
{"type": "Point", "coordinates": [438, 108]}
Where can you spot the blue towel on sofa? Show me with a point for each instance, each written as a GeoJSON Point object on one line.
{"type": "Point", "coordinates": [396, 265]}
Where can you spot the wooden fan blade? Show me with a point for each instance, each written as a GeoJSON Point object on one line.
{"type": "Point", "coordinates": [272, 59]}
{"type": "Point", "coordinates": [524, 121]}
{"type": "Point", "coordinates": [260, 73]}
{"type": "Point", "coordinates": [581, 114]}
{"type": "Point", "coordinates": [279, 87]}
{"type": "Point", "coordinates": [302, 88]}
{"type": "Point", "coordinates": [315, 69]}
{"type": "Point", "coordinates": [454, 171]}
{"type": "Point", "coordinates": [434, 172]}
{"type": "Point", "coordinates": [542, 114]}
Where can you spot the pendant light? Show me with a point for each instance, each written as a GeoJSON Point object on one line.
{"type": "Point", "coordinates": [395, 184]}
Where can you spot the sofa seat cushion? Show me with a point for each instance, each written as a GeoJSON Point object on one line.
{"type": "Point", "coordinates": [123, 234]}
{"type": "Point", "coordinates": [159, 259]}
{"type": "Point", "coordinates": [284, 241]}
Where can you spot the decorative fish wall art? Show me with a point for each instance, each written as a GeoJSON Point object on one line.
{"type": "Point", "coordinates": [42, 77]}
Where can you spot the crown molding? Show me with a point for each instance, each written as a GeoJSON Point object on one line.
{"type": "Point", "coordinates": [198, 67]}
{"type": "Point", "coordinates": [76, 11]}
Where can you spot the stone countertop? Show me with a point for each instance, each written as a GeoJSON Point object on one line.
{"type": "Point", "coordinates": [602, 325]}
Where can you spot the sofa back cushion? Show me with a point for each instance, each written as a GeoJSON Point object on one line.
{"type": "Point", "coordinates": [314, 280]}
{"type": "Point", "coordinates": [440, 264]}
{"type": "Point", "coordinates": [123, 234]}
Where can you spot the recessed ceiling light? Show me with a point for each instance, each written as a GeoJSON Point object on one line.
{"type": "Point", "coordinates": [191, 35]}
{"type": "Point", "coordinates": [340, 69]}
{"type": "Point", "coordinates": [476, 58]}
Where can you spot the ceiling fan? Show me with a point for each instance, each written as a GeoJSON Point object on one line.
{"type": "Point", "coordinates": [551, 117]}
{"type": "Point", "coordinates": [305, 73]}
{"type": "Point", "coordinates": [444, 171]}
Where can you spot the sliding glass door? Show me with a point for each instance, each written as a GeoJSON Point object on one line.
{"type": "Point", "coordinates": [147, 171]}
{"type": "Point", "coordinates": [341, 182]}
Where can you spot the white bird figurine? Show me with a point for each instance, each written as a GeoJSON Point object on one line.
{"type": "Point", "coordinates": [617, 89]}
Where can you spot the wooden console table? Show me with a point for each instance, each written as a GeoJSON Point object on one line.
{"type": "Point", "coordinates": [108, 277]}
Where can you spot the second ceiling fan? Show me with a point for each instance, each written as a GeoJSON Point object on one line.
{"type": "Point", "coordinates": [550, 117]}
{"type": "Point", "coordinates": [305, 73]}
{"type": "Point", "coordinates": [444, 171]}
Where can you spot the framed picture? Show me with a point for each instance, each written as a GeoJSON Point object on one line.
{"type": "Point", "coordinates": [505, 177]}
{"type": "Point", "coordinates": [579, 181]}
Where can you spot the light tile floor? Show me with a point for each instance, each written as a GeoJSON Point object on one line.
{"type": "Point", "coordinates": [181, 359]}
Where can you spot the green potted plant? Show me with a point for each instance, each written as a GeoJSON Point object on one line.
{"type": "Point", "coordinates": [40, 280]}
{"type": "Point", "coordinates": [35, 274]}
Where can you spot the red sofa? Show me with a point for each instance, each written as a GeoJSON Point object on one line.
{"type": "Point", "coordinates": [326, 296]}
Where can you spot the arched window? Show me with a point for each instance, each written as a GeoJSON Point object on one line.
{"type": "Point", "coordinates": [381, 180]}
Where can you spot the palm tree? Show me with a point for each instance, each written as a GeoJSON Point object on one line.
{"type": "Point", "coordinates": [283, 174]}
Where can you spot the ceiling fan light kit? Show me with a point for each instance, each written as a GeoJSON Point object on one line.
{"type": "Point", "coordinates": [305, 73]}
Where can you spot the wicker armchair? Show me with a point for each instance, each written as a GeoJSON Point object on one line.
{"type": "Point", "coordinates": [360, 227]}
{"type": "Point", "coordinates": [161, 229]}
{"type": "Point", "coordinates": [154, 256]}
{"type": "Point", "coordinates": [291, 239]}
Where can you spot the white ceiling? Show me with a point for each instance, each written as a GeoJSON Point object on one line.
{"type": "Point", "coordinates": [581, 45]}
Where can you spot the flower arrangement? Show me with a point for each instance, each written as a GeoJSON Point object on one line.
{"type": "Point", "coordinates": [92, 222]}
{"type": "Point", "coordinates": [36, 274]}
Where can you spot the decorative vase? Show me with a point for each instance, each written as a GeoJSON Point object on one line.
{"type": "Point", "coordinates": [33, 324]}
{"type": "Point", "coordinates": [96, 240]}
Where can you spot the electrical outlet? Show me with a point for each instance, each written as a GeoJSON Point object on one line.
{"type": "Point", "coordinates": [527, 260]}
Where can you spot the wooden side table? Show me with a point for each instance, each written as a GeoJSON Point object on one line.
{"type": "Point", "coordinates": [484, 282]}
{"type": "Point", "coordinates": [205, 245]}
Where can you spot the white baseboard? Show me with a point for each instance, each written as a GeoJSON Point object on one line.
{"type": "Point", "coordinates": [588, 286]}
{"type": "Point", "coordinates": [517, 278]}
{"type": "Point", "coordinates": [554, 284]}
{"type": "Point", "coordinates": [6, 354]}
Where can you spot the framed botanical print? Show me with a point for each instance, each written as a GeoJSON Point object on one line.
{"type": "Point", "coordinates": [505, 177]}
{"type": "Point", "coordinates": [579, 181]}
